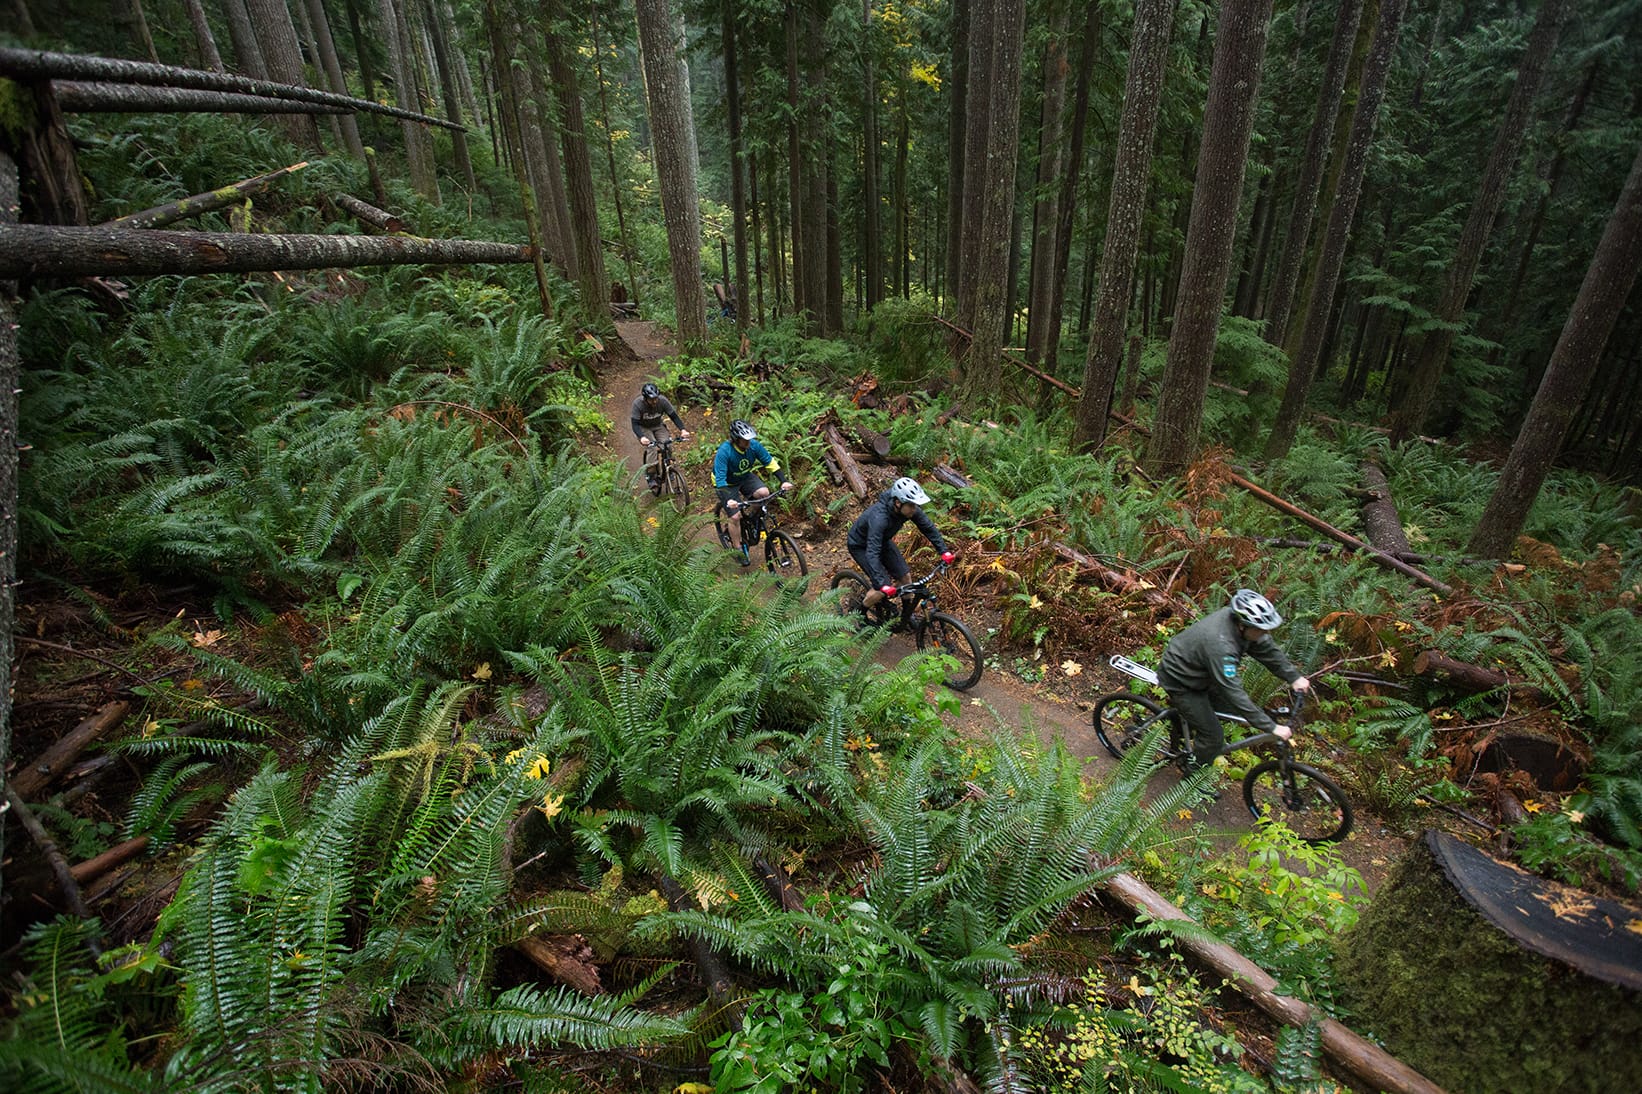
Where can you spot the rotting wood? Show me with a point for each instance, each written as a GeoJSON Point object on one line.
{"type": "Point", "coordinates": [39, 64]}
{"type": "Point", "coordinates": [93, 868]}
{"type": "Point", "coordinates": [567, 959]}
{"type": "Point", "coordinates": [948, 414]}
{"type": "Point", "coordinates": [1362, 1058]}
{"type": "Point", "coordinates": [946, 473]}
{"type": "Point", "coordinates": [1469, 677]}
{"type": "Point", "coordinates": [36, 250]}
{"type": "Point", "coordinates": [874, 442]}
{"type": "Point", "coordinates": [1117, 581]}
{"type": "Point", "coordinates": [780, 886]}
{"type": "Point", "coordinates": [36, 776]}
{"type": "Point", "coordinates": [715, 974]}
{"type": "Point", "coordinates": [1382, 524]}
{"type": "Point", "coordinates": [846, 463]}
{"type": "Point", "coordinates": [81, 97]}
{"type": "Point", "coordinates": [370, 214]}
{"type": "Point", "coordinates": [1379, 557]}
{"type": "Point", "coordinates": [54, 859]}
{"type": "Point", "coordinates": [833, 472]}
{"type": "Point", "coordinates": [211, 200]}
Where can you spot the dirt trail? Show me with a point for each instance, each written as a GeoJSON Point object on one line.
{"type": "Point", "coordinates": [999, 699]}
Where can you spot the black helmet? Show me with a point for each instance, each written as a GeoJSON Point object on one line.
{"type": "Point", "coordinates": [1255, 610]}
{"type": "Point", "coordinates": [650, 391]}
{"type": "Point", "coordinates": [742, 430]}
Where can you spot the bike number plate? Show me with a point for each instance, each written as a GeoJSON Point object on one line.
{"type": "Point", "coordinates": [1132, 668]}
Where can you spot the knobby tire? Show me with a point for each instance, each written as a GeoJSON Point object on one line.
{"type": "Point", "coordinates": [1317, 811]}
{"type": "Point", "coordinates": [782, 555]}
{"type": "Point", "coordinates": [944, 634]}
{"type": "Point", "coordinates": [677, 487]}
{"type": "Point", "coordinates": [1123, 718]}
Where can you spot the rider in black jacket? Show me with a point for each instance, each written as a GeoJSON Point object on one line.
{"type": "Point", "coordinates": [872, 536]}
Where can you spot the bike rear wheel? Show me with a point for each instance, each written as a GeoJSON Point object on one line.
{"type": "Point", "coordinates": [783, 557]}
{"type": "Point", "coordinates": [1306, 800]}
{"type": "Point", "coordinates": [1123, 718]}
{"type": "Point", "coordinates": [852, 589]}
{"type": "Point", "coordinates": [677, 487]}
{"type": "Point", "coordinates": [944, 634]}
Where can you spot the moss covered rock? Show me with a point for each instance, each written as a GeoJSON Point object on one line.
{"type": "Point", "coordinates": [1469, 1005]}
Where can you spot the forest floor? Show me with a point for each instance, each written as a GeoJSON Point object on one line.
{"type": "Point", "coordinates": [1001, 698]}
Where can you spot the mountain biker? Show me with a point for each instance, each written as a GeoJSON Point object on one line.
{"type": "Point", "coordinates": [1200, 671]}
{"type": "Point", "coordinates": [736, 468]}
{"type": "Point", "coordinates": [646, 415]}
{"type": "Point", "coordinates": [871, 537]}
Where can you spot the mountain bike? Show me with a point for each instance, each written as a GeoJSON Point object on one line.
{"type": "Point", "coordinates": [782, 555]}
{"type": "Point", "coordinates": [917, 611]}
{"type": "Point", "coordinates": [1308, 801]}
{"type": "Point", "coordinates": [663, 475]}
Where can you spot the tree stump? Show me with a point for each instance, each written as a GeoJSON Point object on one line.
{"type": "Point", "coordinates": [1487, 978]}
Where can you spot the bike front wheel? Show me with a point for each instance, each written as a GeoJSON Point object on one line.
{"type": "Point", "coordinates": [1303, 798]}
{"type": "Point", "coordinates": [946, 635]}
{"type": "Point", "coordinates": [677, 487]}
{"type": "Point", "coordinates": [1123, 718]}
{"type": "Point", "coordinates": [783, 557]}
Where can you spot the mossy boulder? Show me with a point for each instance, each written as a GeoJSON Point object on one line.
{"type": "Point", "coordinates": [1490, 980]}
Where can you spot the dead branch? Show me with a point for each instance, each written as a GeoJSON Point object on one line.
{"type": "Point", "coordinates": [1363, 1058]}
{"type": "Point", "coordinates": [942, 472]}
{"type": "Point", "coordinates": [35, 777]}
{"type": "Point", "coordinates": [54, 858]}
{"type": "Point", "coordinates": [78, 97]}
{"type": "Point", "coordinates": [1378, 556]}
{"type": "Point", "coordinates": [1117, 581]}
{"type": "Point", "coordinates": [1012, 359]}
{"type": "Point", "coordinates": [566, 958]}
{"type": "Point", "coordinates": [846, 463]}
{"type": "Point", "coordinates": [370, 214]}
{"type": "Point", "coordinates": [93, 868]}
{"type": "Point", "coordinates": [715, 974]}
{"type": "Point", "coordinates": [1469, 677]}
{"type": "Point", "coordinates": [182, 209]}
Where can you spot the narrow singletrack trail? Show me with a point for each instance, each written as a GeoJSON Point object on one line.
{"type": "Point", "coordinates": [1000, 699]}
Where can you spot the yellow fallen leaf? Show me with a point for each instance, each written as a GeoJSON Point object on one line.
{"type": "Point", "coordinates": [206, 639]}
{"type": "Point", "coordinates": [1071, 668]}
{"type": "Point", "coordinates": [1575, 816]}
{"type": "Point", "coordinates": [1388, 660]}
{"type": "Point", "coordinates": [483, 671]}
{"type": "Point", "coordinates": [1183, 814]}
{"type": "Point", "coordinates": [1532, 807]}
{"type": "Point", "coordinates": [692, 1088]}
{"type": "Point", "coordinates": [1634, 926]}
{"type": "Point", "coordinates": [540, 768]}
{"type": "Point", "coordinates": [551, 804]}
{"type": "Point", "coordinates": [1035, 603]}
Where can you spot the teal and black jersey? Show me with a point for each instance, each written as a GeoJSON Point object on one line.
{"type": "Point", "coordinates": [1207, 656]}
{"type": "Point", "coordinates": [730, 466]}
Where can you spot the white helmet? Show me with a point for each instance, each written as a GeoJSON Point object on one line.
{"type": "Point", "coordinates": [1255, 610]}
{"type": "Point", "coordinates": [905, 489]}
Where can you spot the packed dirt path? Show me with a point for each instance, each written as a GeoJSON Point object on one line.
{"type": "Point", "coordinates": [1000, 699]}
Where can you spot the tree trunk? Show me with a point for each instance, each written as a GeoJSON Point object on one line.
{"type": "Point", "coordinates": [1409, 416]}
{"type": "Point", "coordinates": [418, 146]}
{"type": "Point", "coordinates": [10, 383]}
{"type": "Point", "coordinates": [795, 165]}
{"type": "Point", "coordinates": [24, 64]}
{"type": "Point", "coordinates": [368, 214]}
{"type": "Point", "coordinates": [367, 71]}
{"type": "Point", "coordinates": [1051, 169]}
{"type": "Point", "coordinates": [1602, 296]}
{"type": "Point", "coordinates": [449, 89]}
{"type": "Point", "coordinates": [203, 39]}
{"type": "Point", "coordinates": [541, 158]}
{"type": "Point", "coordinates": [38, 250]}
{"type": "Point", "coordinates": [332, 66]}
{"type": "Point", "coordinates": [276, 36]}
{"type": "Point", "coordinates": [738, 171]}
{"type": "Point", "coordinates": [616, 186]}
{"type": "Point", "coordinates": [833, 324]}
{"type": "Point", "coordinates": [578, 167]}
{"type": "Point", "coordinates": [244, 40]}
{"type": "Point", "coordinates": [1304, 208]}
{"type": "Point", "coordinates": [223, 196]}
{"type": "Point", "coordinates": [53, 190]}
{"type": "Point", "coordinates": [74, 97]}
{"type": "Point", "coordinates": [1005, 21]}
{"type": "Point", "coordinates": [956, 137]}
{"type": "Point", "coordinates": [670, 135]}
{"type": "Point", "coordinates": [1066, 204]}
{"type": "Point", "coordinates": [1131, 172]}
{"type": "Point", "coordinates": [513, 138]}
{"type": "Point", "coordinates": [902, 271]}
{"type": "Point", "coordinates": [1314, 331]}
{"type": "Point", "coordinates": [872, 248]}
{"type": "Point", "coordinates": [977, 152]}
{"type": "Point", "coordinates": [139, 29]}
{"type": "Point", "coordinates": [1228, 121]}
{"type": "Point", "coordinates": [1247, 294]}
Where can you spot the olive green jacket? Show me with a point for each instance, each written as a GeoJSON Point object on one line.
{"type": "Point", "coordinates": [1207, 656]}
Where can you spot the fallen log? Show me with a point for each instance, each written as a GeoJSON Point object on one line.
{"type": "Point", "coordinates": [1117, 581]}
{"type": "Point", "coordinates": [715, 974]}
{"type": "Point", "coordinates": [874, 442]}
{"type": "Point", "coordinates": [183, 208]}
{"type": "Point", "coordinates": [1014, 360]}
{"type": "Point", "coordinates": [1469, 677]}
{"type": "Point", "coordinates": [1380, 558]}
{"type": "Point", "coordinates": [54, 859]}
{"type": "Point", "coordinates": [79, 97]}
{"type": "Point", "coordinates": [1381, 522]}
{"type": "Point", "coordinates": [567, 959]}
{"type": "Point", "coordinates": [370, 214]}
{"type": "Point", "coordinates": [835, 475]}
{"type": "Point", "coordinates": [39, 64]}
{"type": "Point", "coordinates": [39, 250]}
{"type": "Point", "coordinates": [846, 463]}
{"type": "Point", "coordinates": [1361, 1057]}
{"type": "Point", "coordinates": [93, 868]}
{"type": "Point", "coordinates": [945, 473]}
{"type": "Point", "coordinates": [948, 414]}
{"type": "Point", "coordinates": [36, 776]}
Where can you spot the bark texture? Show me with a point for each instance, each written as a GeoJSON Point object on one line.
{"type": "Point", "coordinates": [75, 97]}
{"type": "Point", "coordinates": [281, 53]}
{"type": "Point", "coordinates": [672, 145]}
{"type": "Point", "coordinates": [418, 146]}
{"type": "Point", "coordinates": [578, 169]}
{"type": "Point", "coordinates": [1131, 172]}
{"type": "Point", "coordinates": [223, 196]}
{"type": "Point", "coordinates": [1608, 282]}
{"type": "Point", "coordinates": [1228, 121]}
{"type": "Point", "coordinates": [332, 66]}
{"type": "Point", "coordinates": [991, 274]}
{"type": "Point", "coordinates": [10, 381]}
{"type": "Point", "coordinates": [203, 39]}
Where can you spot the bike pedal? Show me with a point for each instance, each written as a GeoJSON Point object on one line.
{"type": "Point", "coordinates": [725, 541]}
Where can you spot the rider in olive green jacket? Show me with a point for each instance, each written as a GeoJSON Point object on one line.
{"type": "Point", "coordinates": [1202, 670]}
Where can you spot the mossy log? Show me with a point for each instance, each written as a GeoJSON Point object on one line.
{"type": "Point", "coordinates": [198, 204]}
{"type": "Point", "coordinates": [1489, 979]}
